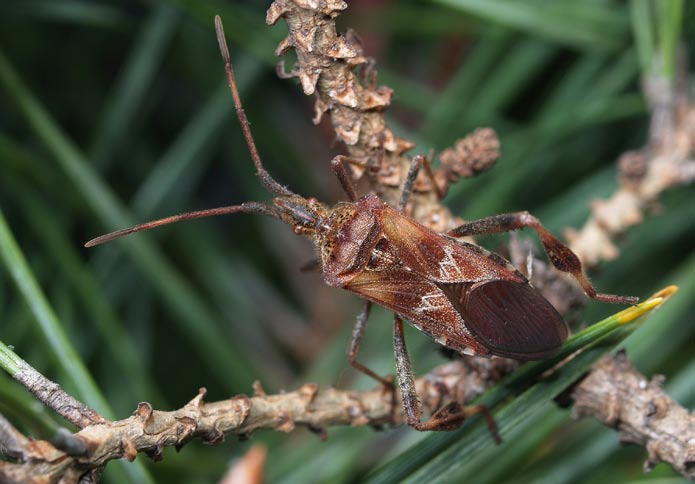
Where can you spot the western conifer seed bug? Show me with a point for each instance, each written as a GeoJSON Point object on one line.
{"type": "Point", "coordinates": [464, 297]}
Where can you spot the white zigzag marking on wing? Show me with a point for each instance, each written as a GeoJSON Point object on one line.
{"type": "Point", "coordinates": [426, 303]}
{"type": "Point", "coordinates": [448, 268]}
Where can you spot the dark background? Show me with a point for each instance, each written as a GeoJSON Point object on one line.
{"type": "Point", "coordinates": [130, 119]}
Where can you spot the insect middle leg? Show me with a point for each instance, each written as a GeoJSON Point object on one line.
{"type": "Point", "coordinates": [559, 254]}
{"type": "Point", "coordinates": [354, 347]}
{"type": "Point", "coordinates": [339, 168]}
{"type": "Point", "coordinates": [415, 165]}
{"type": "Point", "coordinates": [448, 417]}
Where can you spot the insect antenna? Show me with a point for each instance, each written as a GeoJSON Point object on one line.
{"type": "Point", "coordinates": [248, 207]}
{"type": "Point", "coordinates": [267, 180]}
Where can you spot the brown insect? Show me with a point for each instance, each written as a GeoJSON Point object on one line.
{"type": "Point", "coordinates": [464, 297]}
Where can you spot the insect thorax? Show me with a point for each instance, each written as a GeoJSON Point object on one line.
{"type": "Point", "coordinates": [345, 242]}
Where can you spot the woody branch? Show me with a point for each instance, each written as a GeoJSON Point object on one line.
{"type": "Point", "coordinates": [149, 431]}
{"type": "Point", "coordinates": [666, 161]}
{"type": "Point", "coordinates": [327, 67]}
{"type": "Point", "coordinates": [620, 397]}
{"type": "Point", "coordinates": [613, 392]}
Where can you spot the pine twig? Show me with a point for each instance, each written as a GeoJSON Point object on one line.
{"type": "Point", "coordinates": [620, 397]}
{"type": "Point", "coordinates": [667, 161]}
{"type": "Point", "coordinates": [48, 392]}
{"type": "Point", "coordinates": [326, 66]}
{"type": "Point", "coordinates": [149, 431]}
{"type": "Point", "coordinates": [613, 392]}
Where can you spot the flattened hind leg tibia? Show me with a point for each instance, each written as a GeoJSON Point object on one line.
{"type": "Point", "coordinates": [449, 417]}
{"type": "Point", "coordinates": [559, 254]}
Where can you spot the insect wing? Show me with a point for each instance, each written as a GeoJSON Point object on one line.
{"type": "Point", "coordinates": [398, 290]}
{"type": "Point", "coordinates": [512, 319]}
{"type": "Point", "coordinates": [498, 307]}
{"type": "Point", "coordinates": [440, 258]}
{"type": "Point", "coordinates": [419, 301]}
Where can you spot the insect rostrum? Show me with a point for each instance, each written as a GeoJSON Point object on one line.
{"type": "Point", "coordinates": [464, 297]}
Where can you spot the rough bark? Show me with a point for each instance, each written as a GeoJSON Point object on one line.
{"type": "Point", "coordinates": [638, 408]}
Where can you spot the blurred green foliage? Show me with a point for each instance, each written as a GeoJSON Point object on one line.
{"type": "Point", "coordinates": [116, 112]}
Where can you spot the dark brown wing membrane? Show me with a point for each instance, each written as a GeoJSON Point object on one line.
{"type": "Point", "coordinates": [512, 319]}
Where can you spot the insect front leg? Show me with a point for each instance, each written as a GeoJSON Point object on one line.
{"type": "Point", "coordinates": [354, 347]}
{"type": "Point", "coordinates": [338, 163]}
{"type": "Point", "coordinates": [559, 254]}
{"type": "Point", "coordinates": [438, 189]}
{"type": "Point", "coordinates": [415, 165]}
{"type": "Point", "coordinates": [410, 181]}
{"type": "Point", "coordinates": [448, 417]}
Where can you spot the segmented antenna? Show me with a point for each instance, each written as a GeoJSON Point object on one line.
{"type": "Point", "coordinates": [163, 221]}
{"type": "Point", "coordinates": [248, 207]}
{"type": "Point", "coordinates": [267, 180]}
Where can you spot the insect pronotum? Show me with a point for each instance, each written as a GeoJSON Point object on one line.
{"type": "Point", "coordinates": [464, 297]}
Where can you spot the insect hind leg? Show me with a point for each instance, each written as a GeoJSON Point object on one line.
{"type": "Point", "coordinates": [559, 254]}
{"type": "Point", "coordinates": [449, 417]}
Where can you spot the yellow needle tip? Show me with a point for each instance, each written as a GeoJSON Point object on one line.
{"type": "Point", "coordinates": [630, 314]}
